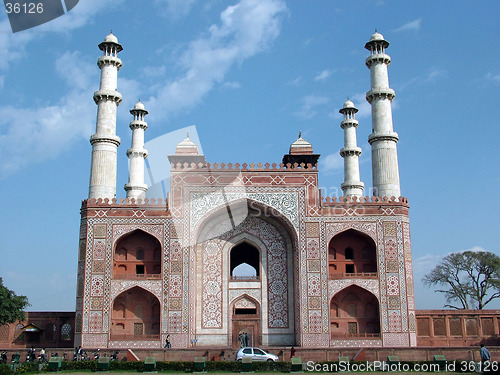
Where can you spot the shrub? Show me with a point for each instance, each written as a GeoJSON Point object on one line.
{"type": "Point", "coordinates": [5, 370]}
{"type": "Point", "coordinates": [27, 367]}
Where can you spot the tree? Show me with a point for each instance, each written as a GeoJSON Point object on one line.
{"type": "Point", "coordinates": [471, 278]}
{"type": "Point", "coordinates": [11, 306]}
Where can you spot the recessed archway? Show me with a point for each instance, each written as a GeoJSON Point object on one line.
{"type": "Point", "coordinates": [354, 313]}
{"type": "Point", "coordinates": [135, 315]}
{"type": "Point", "coordinates": [137, 255]}
{"type": "Point", "coordinates": [352, 254]}
{"type": "Point", "coordinates": [246, 326]}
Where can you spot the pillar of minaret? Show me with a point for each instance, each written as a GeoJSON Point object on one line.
{"type": "Point", "coordinates": [136, 188]}
{"type": "Point", "coordinates": [105, 141]}
{"type": "Point", "coordinates": [352, 185]}
{"type": "Point", "coordinates": [383, 140]}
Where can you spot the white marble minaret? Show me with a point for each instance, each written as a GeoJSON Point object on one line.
{"type": "Point", "coordinates": [136, 188]}
{"type": "Point", "coordinates": [352, 185]}
{"type": "Point", "coordinates": [105, 141]}
{"type": "Point", "coordinates": [385, 170]}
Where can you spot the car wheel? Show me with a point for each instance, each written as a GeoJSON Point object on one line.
{"type": "Point", "coordinates": [270, 360]}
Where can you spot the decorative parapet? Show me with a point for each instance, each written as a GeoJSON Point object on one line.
{"type": "Point", "coordinates": [124, 202]}
{"type": "Point", "coordinates": [245, 167]}
{"type": "Point", "coordinates": [333, 201]}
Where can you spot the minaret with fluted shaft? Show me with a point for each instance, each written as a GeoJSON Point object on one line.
{"type": "Point", "coordinates": [136, 188]}
{"type": "Point", "coordinates": [105, 141]}
{"type": "Point", "coordinates": [352, 185]}
{"type": "Point", "coordinates": [383, 140]}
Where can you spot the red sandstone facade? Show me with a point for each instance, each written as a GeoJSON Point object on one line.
{"type": "Point", "coordinates": [328, 272]}
{"type": "Point", "coordinates": [40, 329]}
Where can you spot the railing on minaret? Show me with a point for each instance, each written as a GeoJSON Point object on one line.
{"type": "Point", "coordinates": [352, 185]}
{"type": "Point", "coordinates": [105, 141]}
{"type": "Point", "coordinates": [136, 188]}
{"type": "Point", "coordinates": [383, 140]}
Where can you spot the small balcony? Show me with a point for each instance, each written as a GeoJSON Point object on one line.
{"type": "Point", "coordinates": [134, 337]}
{"type": "Point", "coordinates": [135, 276]}
{"type": "Point", "coordinates": [357, 275]}
{"type": "Point", "coordinates": [363, 335]}
{"type": "Point", "coordinates": [244, 278]}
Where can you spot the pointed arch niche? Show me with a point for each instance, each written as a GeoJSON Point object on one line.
{"type": "Point", "coordinates": [135, 315]}
{"type": "Point", "coordinates": [244, 261]}
{"type": "Point", "coordinates": [352, 254]}
{"type": "Point", "coordinates": [246, 321]}
{"type": "Point", "coordinates": [137, 256]}
{"type": "Point", "coordinates": [354, 313]}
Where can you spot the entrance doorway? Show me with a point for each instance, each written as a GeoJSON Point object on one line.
{"type": "Point", "coordinates": [246, 323]}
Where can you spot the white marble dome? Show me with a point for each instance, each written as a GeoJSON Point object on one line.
{"type": "Point", "coordinates": [111, 38]}
{"type": "Point", "coordinates": [376, 36]}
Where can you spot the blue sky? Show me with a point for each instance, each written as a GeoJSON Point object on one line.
{"type": "Point", "coordinates": [250, 74]}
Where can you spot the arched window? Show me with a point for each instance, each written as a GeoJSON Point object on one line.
{"type": "Point", "coordinates": [4, 332]}
{"type": "Point", "coordinates": [351, 310]}
{"type": "Point", "coordinates": [18, 330]}
{"type": "Point", "coordinates": [121, 254]}
{"type": "Point", "coordinates": [349, 253]}
{"type": "Point", "coordinates": [138, 311]}
{"type": "Point", "coordinates": [118, 310]}
{"type": "Point", "coordinates": [334, 310]}
{"type": "Point", "coordinates": [244, 261]}
{"type": "Point", "coordinates": [140, 254]}
{"type": "Point", "coordinates": [66, 332]}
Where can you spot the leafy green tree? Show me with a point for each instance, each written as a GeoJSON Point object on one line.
{"type": "Point", "coordinates": [470, 278]}
{"type": "Point", "coordinates": [11, 306]}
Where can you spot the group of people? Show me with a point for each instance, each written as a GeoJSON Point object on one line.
{"type": "Point", "coordinates": [243, 339]}
{"type": "Point", "coordinates": [81, 355]}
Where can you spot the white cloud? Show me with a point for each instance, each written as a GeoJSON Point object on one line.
{"type": "Point", "coordinates": [30, 135]}
{"type": "Point", "coordinates": [295, 81]}
{"type": "Point", "coordinates": [424, 264]}
{"type": "Point", "coordinates": [231, 85]}
{"type": "Point", "coordinates": [245, 29]}
{"type": "Point", "coordinates": [154, 71]}
{"type": "Point", "coordinates": [310, 104]}
{"type": "Point", "coordinates": [495, 78]}
{"type": "Point", "coordinates": [27, 134]}
{"type": "Point", "coordinates": [325, 74]}
{"type": "Point", "coordinates": [410, 26]}
{"type": "Point", "coordinates": [331, 162]}
{"type": "Point", "coordinates": [13, 45]}
{"type": "Point", "coordinates": [364, 108]}
{"type": "Point", "coordinates": [432, 76]}
{"type": "Point", "coordinates": [176, 8]}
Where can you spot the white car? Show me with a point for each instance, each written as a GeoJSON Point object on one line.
{"type": "Point", "coordinates": [256, 354]}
